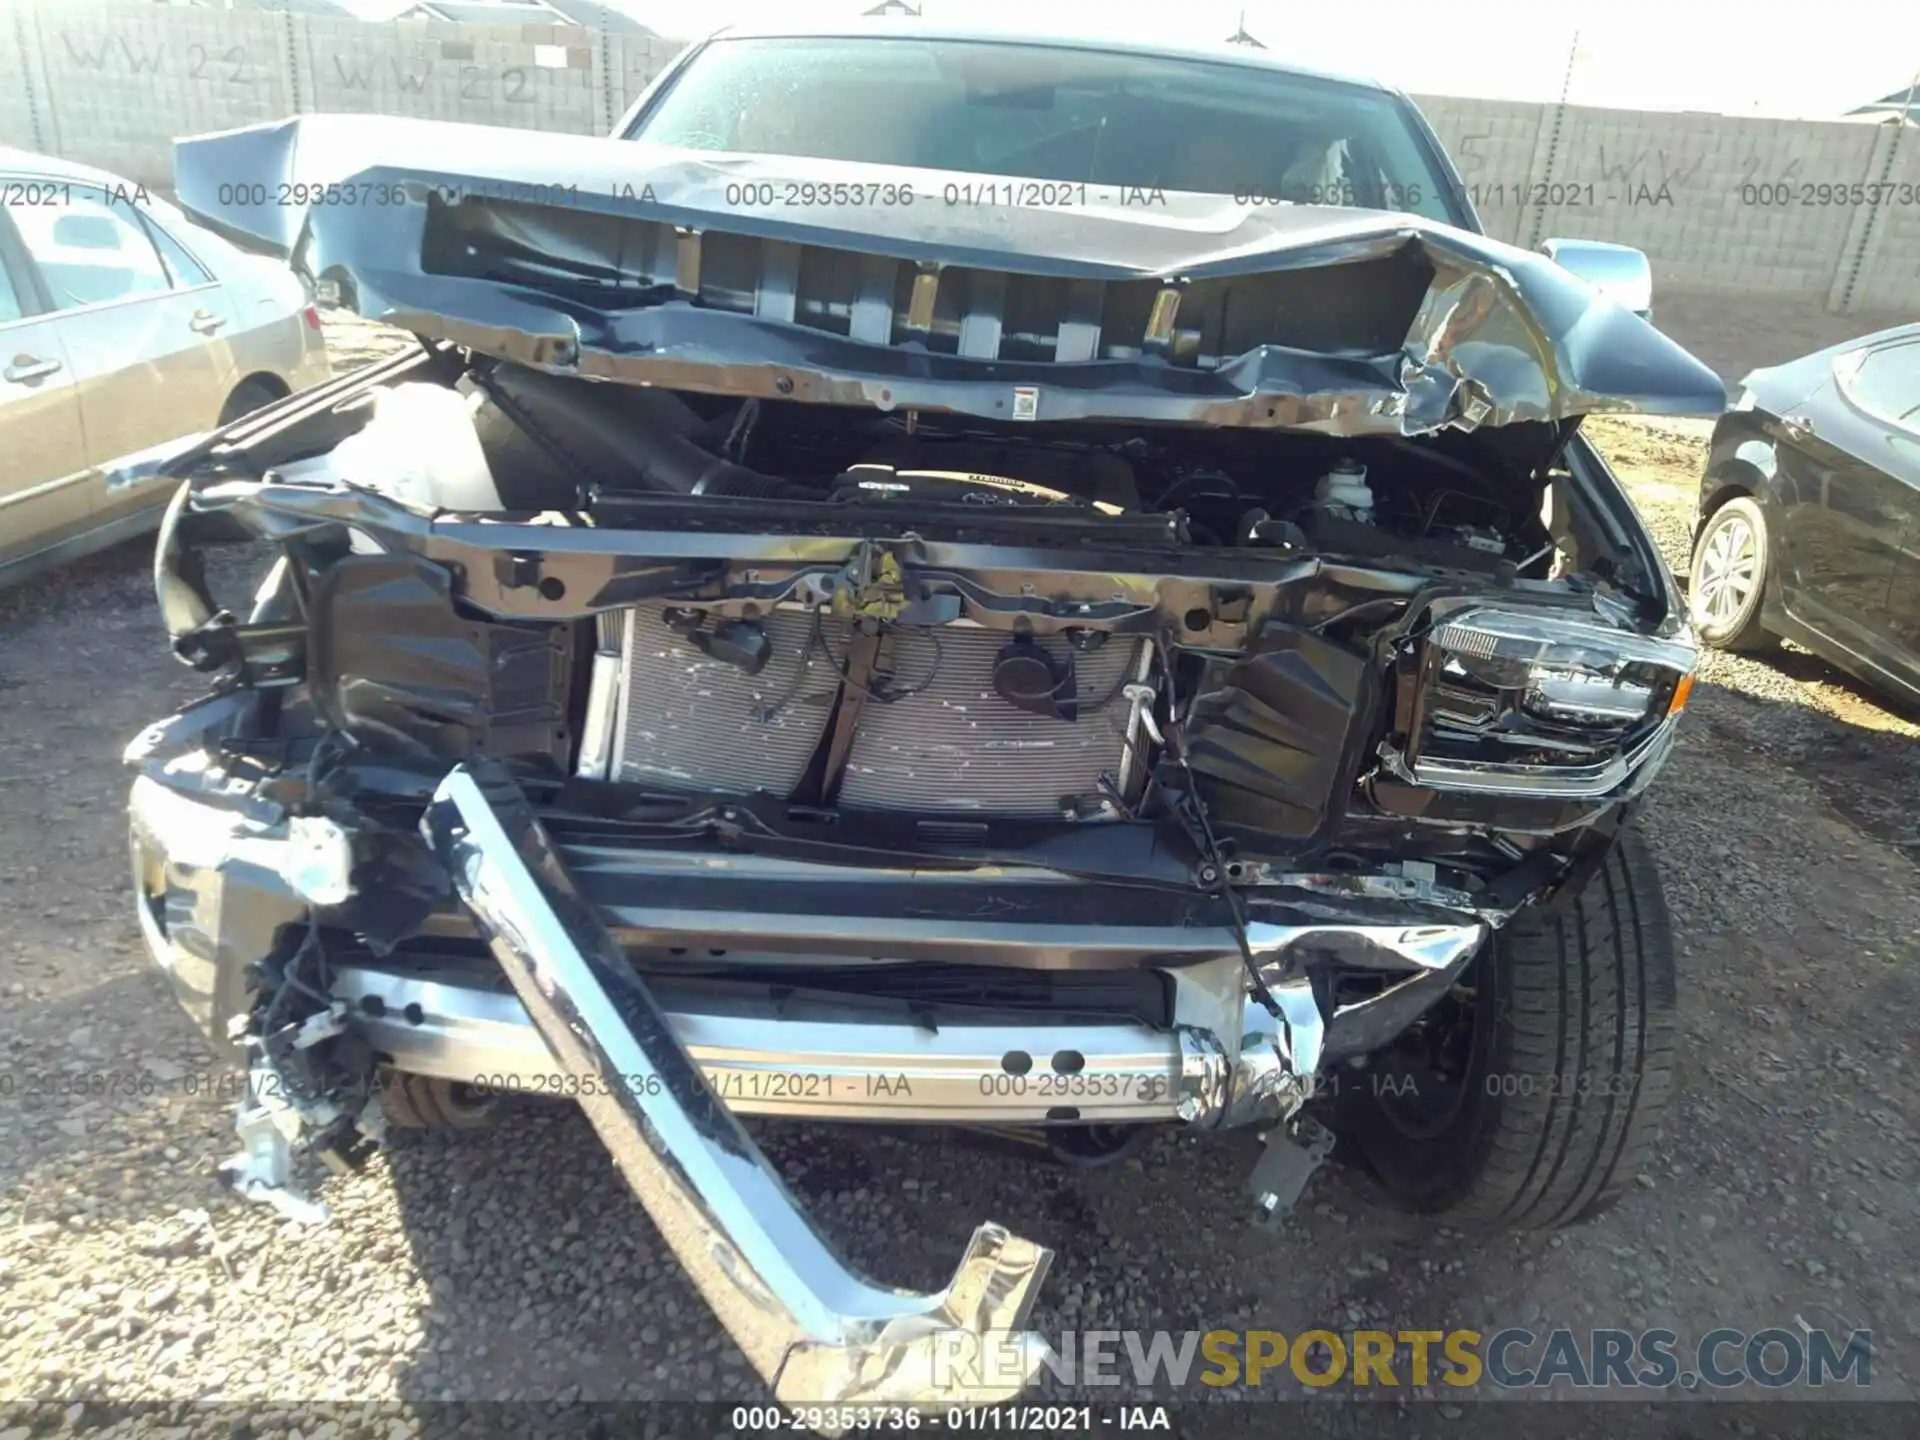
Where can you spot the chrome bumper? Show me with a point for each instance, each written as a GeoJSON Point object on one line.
{"type": "Point", "coordinates": [814, 1328]}
{"type": "Point", "coordinates": [802, 1061]}
{"type": "Point", "coordinates": [662, 1076]}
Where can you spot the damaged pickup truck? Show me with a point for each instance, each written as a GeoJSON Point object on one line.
{"type": "Point", "coordinates": [1027, 635]}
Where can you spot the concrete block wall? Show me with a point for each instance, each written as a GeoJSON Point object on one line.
{"type": "Point", "coordinates": [112, 83]}
{"type": "Point", "coordinates": [1887, 275]}
{"type": "Point", "coordinates": [1716, 201]}
{"type": "Point", "coordinates": [531, 78]}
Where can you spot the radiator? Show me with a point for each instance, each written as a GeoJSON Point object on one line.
{"type": "Point", "coordinates": [679, 721]}
{"type": "Point", "coordinates": [957, 746]}
{"type": "Point", "coordinates": [688, 722]}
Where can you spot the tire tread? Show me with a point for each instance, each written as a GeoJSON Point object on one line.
{"type": "Point", "coordinates": [1586, 1000]}
{"type": "Point", "coordinates": [1596, 1039]}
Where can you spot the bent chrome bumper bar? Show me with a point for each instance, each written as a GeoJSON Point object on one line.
{"type": "Point", "coordinates": [814, 1328]}
{"type": "Point", "coordinates": [662, 1067]}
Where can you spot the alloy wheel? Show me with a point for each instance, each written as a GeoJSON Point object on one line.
{"type": "Point", "coordinates": [1726, 573]}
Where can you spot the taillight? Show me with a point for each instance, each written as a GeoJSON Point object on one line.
{"type": "Point", "coordinates": [312, 316]}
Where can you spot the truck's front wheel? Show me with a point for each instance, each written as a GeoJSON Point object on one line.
{"type": "Point", "coordinates": [1529, 1096]}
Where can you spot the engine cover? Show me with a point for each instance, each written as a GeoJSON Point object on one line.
{"type": "Point", "coordinates": [933, 735]}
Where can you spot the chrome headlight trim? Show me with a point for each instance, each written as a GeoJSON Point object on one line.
{"type": "Point", "coordinates": [1567, 671]}
{"type": "Point", "coordinates": [1490, 632]}
{"type": "Point", "coordinates": [1624, 772]}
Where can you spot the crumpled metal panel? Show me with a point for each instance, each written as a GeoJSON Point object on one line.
{"type": "Point", "coordinates": [577, 278]}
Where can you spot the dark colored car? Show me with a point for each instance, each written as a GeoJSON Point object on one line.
{"type": "Point", "coordinates": [1809, 523]}
{"type": "Point", "coordinates": [1081, 607]}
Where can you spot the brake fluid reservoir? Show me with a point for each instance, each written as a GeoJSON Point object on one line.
{"type": "Point", "coordinates": [1344, 492]}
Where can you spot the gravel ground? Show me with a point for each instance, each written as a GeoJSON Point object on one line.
{"type": "Point", "coordinates": [511, 1264]}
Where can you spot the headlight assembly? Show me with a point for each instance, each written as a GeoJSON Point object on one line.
{"type": "Point", "coordinates": [1508, 701]}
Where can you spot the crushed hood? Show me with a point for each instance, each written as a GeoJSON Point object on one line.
{"type": "Point", "coordinates": [842, 283]}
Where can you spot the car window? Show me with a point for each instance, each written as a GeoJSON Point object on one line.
{"type": "Point", "coordinates": [90, 250]}
{"type": "Point", "coordinates": [10, 306]}
{"type": "Point", "coordinates": [1886, 382]}
{"type": "Point", "coordinates": [182, 267]}
{"type": "Point", "coordinates": [1050, 113]}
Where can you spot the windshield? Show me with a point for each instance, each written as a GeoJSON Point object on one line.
{"type": "Point", "coordinates": [1048, 113]}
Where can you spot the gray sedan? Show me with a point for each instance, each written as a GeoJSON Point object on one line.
{"type": "Point", "coordinates": [126, 332]}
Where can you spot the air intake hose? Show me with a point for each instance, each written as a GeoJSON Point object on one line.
{"type": "Point", "coordinates": [610, 436]}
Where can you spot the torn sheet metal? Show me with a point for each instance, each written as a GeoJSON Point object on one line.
{"type": "Point", "coordinates": [625, 261]}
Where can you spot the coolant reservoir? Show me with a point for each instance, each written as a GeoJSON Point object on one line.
{"type": "Point", "coordinates": [1344, 492]}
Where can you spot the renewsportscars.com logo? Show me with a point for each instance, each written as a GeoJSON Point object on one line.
{"type": "Point", "coordinates": [1513, 1358]}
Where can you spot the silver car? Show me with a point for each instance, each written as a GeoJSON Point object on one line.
{"type": "Point", "coordinates": [126, 331]}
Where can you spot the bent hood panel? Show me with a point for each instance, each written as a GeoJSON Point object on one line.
{"type": "Point", "coordinates": [876, 285]}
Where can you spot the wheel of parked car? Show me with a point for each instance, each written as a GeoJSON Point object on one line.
{"type": "Point", "coordinates": [247, 397]}
{"type": "Point", "coordinates": [420, 1102]}
{"type": "Point", "coordinates": [1729, 577]}
{"type": "Point", "coordinates": [1528, 1097]}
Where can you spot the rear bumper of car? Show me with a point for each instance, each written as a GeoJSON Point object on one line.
{"type": "Point", "coordinates": [313, 366]}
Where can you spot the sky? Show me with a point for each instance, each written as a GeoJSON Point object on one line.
{"type": "Point", "coordinates": [1792, 58]}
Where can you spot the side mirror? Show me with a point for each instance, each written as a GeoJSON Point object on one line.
{"type": "Point", "coordinates": [1619, 272]}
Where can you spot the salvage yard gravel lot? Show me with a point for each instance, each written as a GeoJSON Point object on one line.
{"type": "Point", "coordinates": [512, 1264]}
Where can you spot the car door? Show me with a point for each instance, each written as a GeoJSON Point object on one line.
{"type": "Point", "coordinates": [133, 482]}
{"type": "Point", "coordinates": [147, 352]}
{"type": "Point", "coordinates": [1883, 384]}
{"type": "Point", "coordinates": [45, 491]}
{"type": "Point", "coordinates": [1843, 514]}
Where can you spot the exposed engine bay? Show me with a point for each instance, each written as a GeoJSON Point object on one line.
{"type": "Point", "coordinates": [891, 751]}
{"type": "Point", "coordinates": [848, 687]}
{"type": "Point", "coordinates": [1222, 684]}
{"type": "Point", "coordinates": [1370, 666]}
{"type": "Point", "coordinates": [1445, 499]}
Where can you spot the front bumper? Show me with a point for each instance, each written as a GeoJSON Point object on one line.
{"type": "Point", "coordinates": [662, 1068]}
{"type": "Point", "coordinates": [813, 1062]}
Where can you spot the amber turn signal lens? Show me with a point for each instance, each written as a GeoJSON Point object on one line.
{"type": "Point", "coordinates": [1680, 694]}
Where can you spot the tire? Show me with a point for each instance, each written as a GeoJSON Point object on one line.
{"type": "Point", "coordinates": [1565, 1076]}
{"type": "Point", "coordinates": [1733, 543]}
{"type": "Point", "coordinates": [419, 1102]}
{"type": "Point", "coordinates": [247, 397]}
